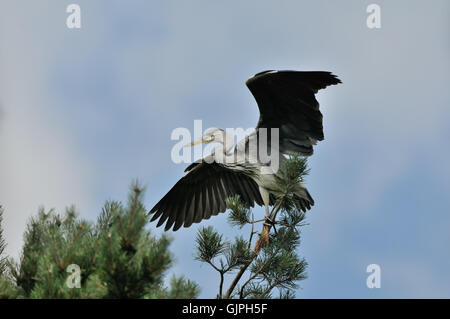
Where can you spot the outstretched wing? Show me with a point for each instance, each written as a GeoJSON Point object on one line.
{"type": "Point", "coordinates": [286, 100]}
{"type": "Point", "coordinates": [201, 193]}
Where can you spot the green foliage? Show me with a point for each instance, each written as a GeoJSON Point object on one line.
{"type": "Point", "coordinates": [232, 255]}
{"type": "Point", "coordinates": [209, 244]}
{"type": "Point", "coordinates": [237, 254]}
{"type": "Point", "coordinates": [288, 180]}
{"type": "Point", "coordinates": [239, 215]}
{"type": "Point", "coordinates": [180, 288]}
{"type": "Point", "coordinates": [277, 266]}
{"type": "Point", "coordinates": [7, 287]}
{"type": "Point", "coordinates": [116, 257]}
{"type": "Point", "coordinates": [2, 245]}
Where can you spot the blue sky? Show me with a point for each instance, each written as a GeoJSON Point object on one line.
{"type": "Point", "coordinates": [84, 112]}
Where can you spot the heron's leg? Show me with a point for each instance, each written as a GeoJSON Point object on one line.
{"type": "Point", "coordinates": [267, 220]}
{"type": "Point", "coordinates": [266, 199]}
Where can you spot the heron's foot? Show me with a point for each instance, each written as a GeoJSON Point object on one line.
{"type": "Point", "coordinates": [269, 222]}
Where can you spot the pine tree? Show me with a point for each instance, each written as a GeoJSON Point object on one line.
{"type": "Point", "coordinates": [2, 245]}
{"type": "Point", "coordinates": [273, 264]}
{"type": "Point", "coordinates": [7, 287]}
{"type": "Point", "coordinates": [65, 256]}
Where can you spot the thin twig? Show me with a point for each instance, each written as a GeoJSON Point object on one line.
{"type": "Point", "coordinates": [256, 221]}
{"type": "Point", "coordinates": [237, 278]}
{"type": "Point", "coordinates": [252, 232]}
{"type": "Point", "coordinates": [221, 272]}
{"type": "Point", "coordinates": [221, 284]}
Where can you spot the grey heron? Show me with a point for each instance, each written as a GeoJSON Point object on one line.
{"type": "Point", "coordinates": [286, 101]}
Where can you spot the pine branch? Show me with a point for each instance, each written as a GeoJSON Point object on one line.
{"type": "Point", "coordinates": [279, 266]}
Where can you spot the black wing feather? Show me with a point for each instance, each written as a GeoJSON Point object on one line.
{"type": "Point", "coordinates": [286, 100]}
{"type": "Point", "coordinates": [202, 193]}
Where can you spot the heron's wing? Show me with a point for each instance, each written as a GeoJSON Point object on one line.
{"type": "Point", "coordinates": [286, 101]}
{"type": "Point", "coordinates": [201, 193]}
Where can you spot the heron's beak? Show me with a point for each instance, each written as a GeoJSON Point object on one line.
{"type": "Point", "coordinates": [199, 141]}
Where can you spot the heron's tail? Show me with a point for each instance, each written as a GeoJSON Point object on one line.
{"type": "Point", "coordinates": [304, 199]}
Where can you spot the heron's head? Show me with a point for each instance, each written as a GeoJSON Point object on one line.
{"type": "Point", "coordinates": [212, 135]}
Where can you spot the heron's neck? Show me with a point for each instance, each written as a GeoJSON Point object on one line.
{"type": "Point", "coordinates": [226, 146]}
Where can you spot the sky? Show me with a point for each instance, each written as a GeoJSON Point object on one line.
{"type": "Point", "coordinates": [84, 112]}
